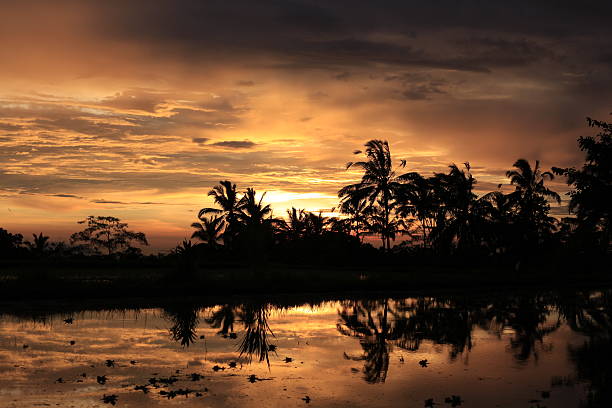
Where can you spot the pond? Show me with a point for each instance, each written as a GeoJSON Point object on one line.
{"type": "Point", "coordinates": [545, 349]}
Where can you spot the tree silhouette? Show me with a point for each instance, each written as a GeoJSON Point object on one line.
{"type": "Point", "coordinates": [379, 184]}
{"type": "Point", "coordinates": [107, 233]}
{"type": "Point", "coordinates": [225, 196]}
{"type": "Point", "coordinates": [209, 230]}
{"type": "Point", "coordinates": [591, 194]}
{"type": "Point", "coordinates": [39, 245]}
{"type": "Point", "coordinates": [530, 197]}
{"type": "Point", "coordinates": [421, 199]}
{"type": "Point", "coordinates": [256, 225]}
{"type": "Point", "coordinates": [358, 214]}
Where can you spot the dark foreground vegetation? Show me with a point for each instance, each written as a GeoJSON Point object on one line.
{"type": "Point", "coordinates": [434, 230]}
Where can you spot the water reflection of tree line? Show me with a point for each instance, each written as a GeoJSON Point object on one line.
{"type": "Point", "coordinates": [381, 325]}
{"type": "Point", "coordinates": [254, 318]}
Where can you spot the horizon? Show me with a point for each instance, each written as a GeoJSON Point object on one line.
{"type": "Point", "coordinates": [122, 111]}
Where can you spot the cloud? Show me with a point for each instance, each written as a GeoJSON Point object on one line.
{"type": "Point", "coordinates": [235, 144]}
{"type": "Point", "coordinates": [200, 140]}
{"type": "Point", "coordinates": [66, 196]}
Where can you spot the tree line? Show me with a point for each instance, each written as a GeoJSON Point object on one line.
{"type": "Point", "coordinates": [411, 214]}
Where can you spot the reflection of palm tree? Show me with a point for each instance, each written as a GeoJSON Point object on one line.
{"type": "Point", "coordinates": [184, 320]}
{"type": "Point", "coordinates": [368, 321]}
{"type": "Point", "coordinates": [223, 318]}
{"type": "Point", "coordinates": [256, 331]}
{"type": "Point", "coordinates": [529, 318]}
{"type": "Point", "coordinates": [379, 183]}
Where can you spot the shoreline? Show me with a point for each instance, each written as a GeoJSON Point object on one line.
{"type": "Point", "coordinates": [159, 284]}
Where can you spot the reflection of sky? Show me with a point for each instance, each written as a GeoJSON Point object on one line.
{"type": "Point", "coordinates": [486, 376]}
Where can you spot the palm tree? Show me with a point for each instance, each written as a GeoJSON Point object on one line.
{"type": "Point", "coordinates": [464, 211]}
{"type": "Point", "coordinates": [226, 196]}
{"type": "Point", "coordinates": [209, 230]}
{"type": "Point", "coordinates": [529, 183]}
{"type": "Point", "coordinates": [358, 212]}
{"type": "Point", "coordinates": [379, 183]}
{"type": "Point", "coordinates": [315, 224]}
{"type": "Point", "coordinates": [420, 199]}
{"type": "Point", "coordinates": [252, 212]}
{"type": "Point", "coordinates": [295, 225]}
{"type": "Point", "coordinates": [39, 244]}
{"type": "Point", "coordinates": [255, 223]}
{"type": "Point", "coordinates": [531, 196]}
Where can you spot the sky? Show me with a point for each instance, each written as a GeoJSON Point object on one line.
{"type": "Point", "coordinates": [136, 109]}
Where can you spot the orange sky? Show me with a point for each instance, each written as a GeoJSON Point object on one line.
{"type": "Point", "coordinates": [136, 109]}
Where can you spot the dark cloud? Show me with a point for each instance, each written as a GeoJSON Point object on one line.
{"type": "Point", "coordinates": [66, 196]}
{"type": "Point", "coordinates": [235, 144]}
{"type": "Point", "coordinates": [9, 127]}
{"type": "Point", "coordinates": [200, 140]}
{"type": "Point", "coordinates": [134, 100]}
{"type": "Point", "coordinates": [102, 201]}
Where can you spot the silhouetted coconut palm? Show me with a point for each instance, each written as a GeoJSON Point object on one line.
{"type": "Point", "coordinates": [256, 224]}
{"type": "Point", "coordinates": [531, 196]}
{"type": "Point", "coordinates": [379, 184]}
{"type": "Point", "coordinates": [39, 245]}
{"type": "Point", "coordinates": [358, 212]}
{"type": "Point", "coordinates": [529, 182]}
{"type": "Point", "coordinates": [209, 230]}
{"type": "Point", "coordinates": [226, 197]}
{"type": "Point", "coordinates": [295, 225]}
{"type": "Point", "coordinates": [187, 257]}
{"type": "Point", "coordinates": [419, 199]}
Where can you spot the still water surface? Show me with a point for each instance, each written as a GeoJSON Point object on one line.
{"type": "Point", "coordinates": [519, 350]}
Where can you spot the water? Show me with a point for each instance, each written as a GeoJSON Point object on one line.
{"type": "Point", "coordinates": [518, 350]}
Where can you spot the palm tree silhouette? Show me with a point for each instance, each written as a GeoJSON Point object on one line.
{"type": "Point", "coordinates": [379, 183]}
{"type": "Point", "coordinates": [226, 196]}
{"type": "Point", "coordinates": [419, 198]}
{"type": "Point", "coordinates": [358, 213]}
{"type": "Point", "coordinates": [295, 225]}
{"type": "Point", "coordinates": [39, 244]}
{"type": "Point", "coordinates": [256, 224]}
{"type": "Point", "coordinates": [530, 196]}
{"type": "Point", "coordinates": [529, 183]}
{"type": "Point", "coordinates": [209, 230]}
